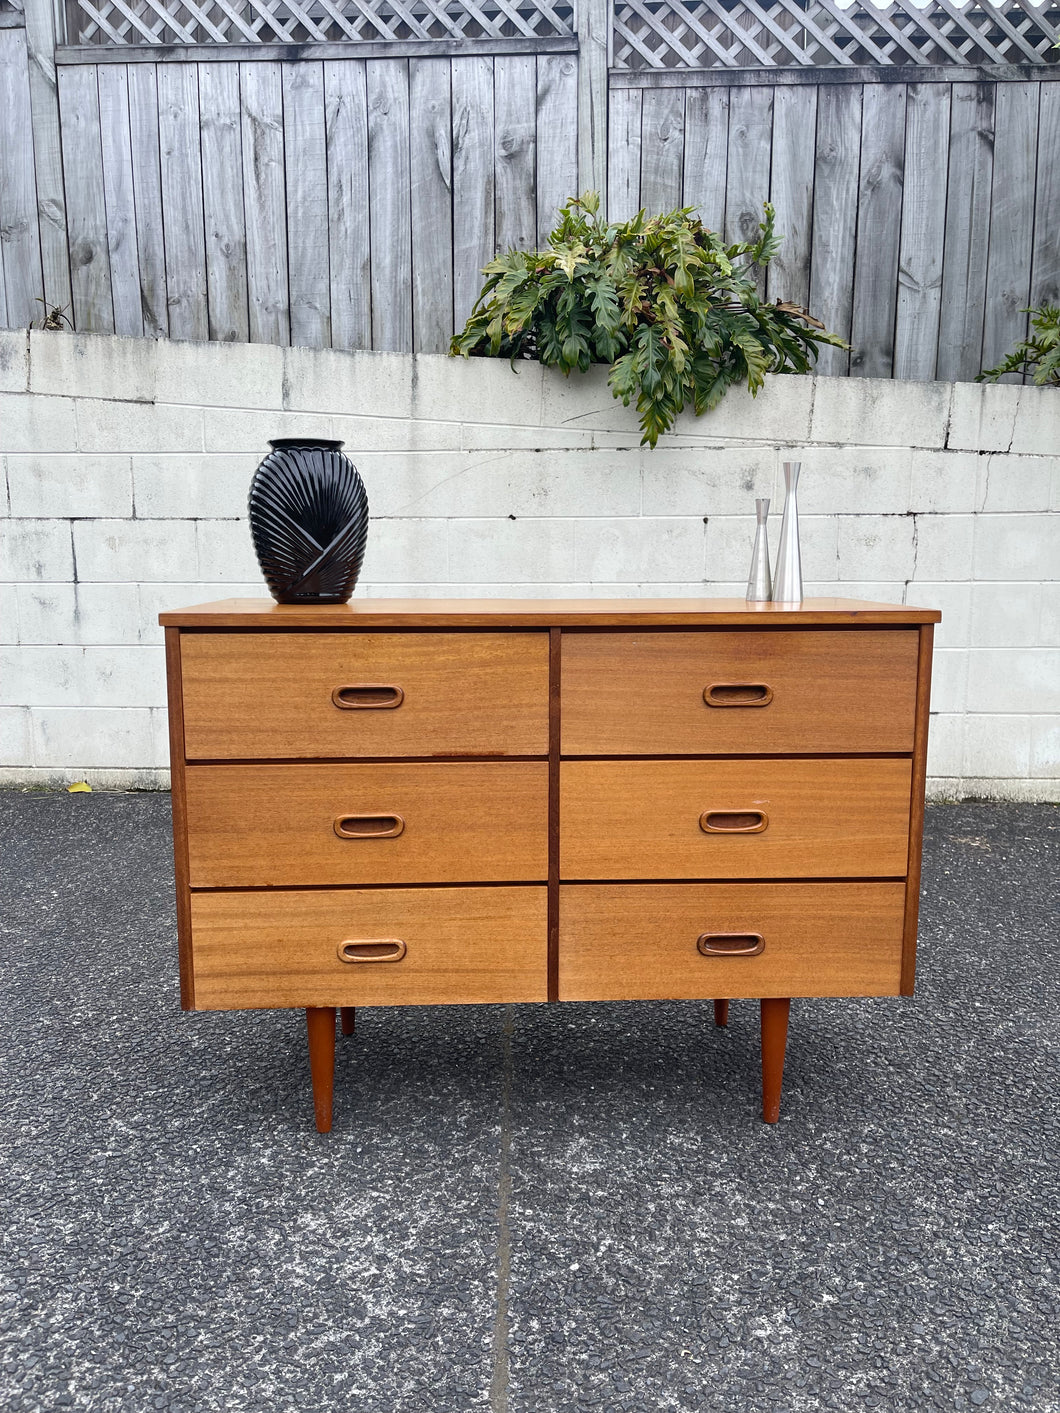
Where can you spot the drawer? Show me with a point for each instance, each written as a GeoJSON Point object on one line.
{"type": "Point", "coordinates": [286, 825]}
{"type": "Point", "coordinates": [670, 819]}
{"type": "Point", "coordinates": [452, 944]}
{"type": "Point", "coordinates": [720, 693]}
{"type": "Point", "coordinates": [639, 941]}
{"type": "Point", "coordinates": [249, 696]}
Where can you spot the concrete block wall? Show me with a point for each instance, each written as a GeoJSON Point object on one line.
{"type": "Point", "coordinates": [126, 465]}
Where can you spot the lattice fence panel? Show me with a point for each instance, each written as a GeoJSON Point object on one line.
{"type": "Point", "coordinates": [679, 34]}
{"type": "Point", "coordinates": [139, 22]}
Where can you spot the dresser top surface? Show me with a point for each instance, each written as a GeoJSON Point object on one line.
{"type": "Point", "coordinates": [544, 613]}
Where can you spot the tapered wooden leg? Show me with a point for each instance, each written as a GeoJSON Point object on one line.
{"type": "Point", "coordinates": [721, 1013]}
{"type": "Point", "coordinates": [774, 1040]}
{"type": "Point", "coordinates": [320, 1023]}
{"type": "Point", "coordinates": [346, 1014]}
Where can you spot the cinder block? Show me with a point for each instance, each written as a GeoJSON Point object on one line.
{"type": "Point", "coordinates": [482, 390]}
{"type": "Point", "coordinates": [779, 414]}
{"type": "Point", "coordinates": [178, 485]}
{"type": "Point", "coordinates": [1037, 420]}
{"type": "Point", "coordinates": [1045, 749]}
{"type": "Point", "coordinates": [1016, 483]}
{"type": "Point", "coordinates": [982, 417]}
{"type": "Point", "coordinates": [16, 746]}
{"type": "Point", "coordinates": [332, 382]}
{"type": "Point", "coordinates": [485, 436]}
{"type": "Point", "coordinates": [1016, 547]}
{"type": "Point", "coordinates": [943, 548]}
{"type": "Point", "coordinates": [14, 360]}
{"type": "Point", "coordinates": [219, 374]}
{"type": "Point", "coordinates": [520, 483]}
{"type": "Point", "coordinates": [407, 551]}
{"type": "Point", "coordinates": [82, 676]}
{"type": "Point", "coordinates": [944, 481]}
{"type": "Point", "coordinates": [105, 614]}
{"type": "Point", "coordinates": [70, 485]}
{"type": "Point", "coordinates": [637, 549]}
{"type": "Point", "coordinates": [8, 613]}
{"type": "Point", "coordinates": [93, 738]}
{"type": "Point", "coordinates": [949, 680]}
{"type": "Point", "coordinates": [93, 365]}
{"type": "Point", "coordinates": [955, 601]}
{"type": "Point", "coordinates": [1005, 615]}
{"type": "Point", "coordinates": [35, 550]}
{"type": "Point", "coordinates": [705, 480]}
{"type": "Point", "coordinates": [854, 480]}
{"type": "Point", "coordinates": [875, 547]}
{"type": "Point", "coordinates": [1014, 680]}
{"type": "Point", "coordinates": [166, 598]}
{"type": "Point", "coordinates": [37, 424]}
{"type": "Point", "coordinates": [137, 426]}
{"type": "Point", "coordinates": [395, 434]}
{"type": "Point", "coordinates": [945, 744]}
{"type": "Point", "coordinates": [1049, 624]}
{"type": "Point", "coordinates": [880, 591]}
{"type": "Point", "coordinates": [997, 746]}
{"type": "Point", "coordinates": [226, 551]}
{"type": "Point", "coordinates": [119, 551]}
{"type": "Point", "coordinates": [584, 402]}
{"type": "Point", "coordinates": [232, 430]}
{"type": "Point", "coordinates": [487, 552]}
{"type": "Point", "coordinates": [730, 542]}
{"type": "Point", "coordinates": [879, 412]}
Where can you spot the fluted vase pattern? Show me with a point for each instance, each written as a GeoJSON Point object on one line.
{"type": "Point", "coordinates": [309, 521]}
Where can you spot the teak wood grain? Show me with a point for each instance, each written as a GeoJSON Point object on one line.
{"type": "Point", "coordinates": [622, 940]}
{"type": "Point", "coordinates": [280, 948]}
{"type": "Point", "coordinates": [545, 613]}
{"type": "Point", "coordinates": [274, 825]}
{"type": "Point", "coordinates": [640, 819]}
{"type": "Point", "coordinates": [252, 696]}
{"type": "Point", "coordinates": [643, 693]}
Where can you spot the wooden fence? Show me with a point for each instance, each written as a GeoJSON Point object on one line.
{"type": "Point", "coordinates": [336, 172]}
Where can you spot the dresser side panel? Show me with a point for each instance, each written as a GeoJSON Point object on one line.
{"type": "Point", "coordinates": [916, 809]}
{"type": "Point", "coordinates": [178, 797]}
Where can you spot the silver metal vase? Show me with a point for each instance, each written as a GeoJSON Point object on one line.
{"type": "Point", "coordinates": [759, 583]}
{"type": "Point", "coordinates": [787, 582]}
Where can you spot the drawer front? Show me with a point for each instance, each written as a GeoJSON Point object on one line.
{"type": "Point", "coordinates": [672, 819]}
{"type": "Point", "coordinates": [250, 696]}
{"type": "Point", "coordinates": [641, 941]}
{"type": "Point", "coordinates": [451, 944]}
{"type": "Point", "coordinates": [718, 693]}
{"type": "Point", "coordinates": [286, 825]}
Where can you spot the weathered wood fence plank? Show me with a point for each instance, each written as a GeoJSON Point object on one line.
{"type": "Point", "coordinates": [222, 190]}
{"type": "Point", "coordinates": [970, 172]}
{"type": "Point", "coordinates": [791, 192]}
{"type": "Point", "coordinates": [48, 154]}
{"type": "Point", "coordinates": [431, 136]}
{"type": "Point", "coordinates": [390, 202]}
{"type": "Point", "coordinates": [662, 129]}
{"type": "Point", "coordinates": [835, 216]}
{"type": "Point", "coordinates": [557, 138]}
{"type": "Point", "coordinates": [1045, 269]}
{"type": "Point", "coordinates": [19, 232]}
{"type": "Point", "coordinates": [473, 180]}
{"type": "Point", "coordinates": [879, 230]}
{"type": "Point", "coordinates": [623, 154]}
{"type": "Point", "coordinates": [1008, 275]}
{"type": "Point", "coordinates": [749, 164]}
{"type": "Point", "coordinates": [306, 173]}
{"type": "Point", "coordinates": [93, 305]}
{"type": "Point", "coordinates": [116, 135]}
{"type": "Point", "coordinates": [515, 150]}
{"type": "Point", "coordinates": [923, 235]}
{"type": "Point", "coordinates": [147, 188]}
{"type": "Point", "coordinates": [706, 153]}
{"type": "Point", "coordinates": [349, 252]}
{"type": "Point", "coordinates": [182, 203]}
{"type": "Point", "coordinates": [265, 202]}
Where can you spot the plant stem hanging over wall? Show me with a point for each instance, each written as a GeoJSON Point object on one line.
{"type": "Point", "coordinates": [664, 301]}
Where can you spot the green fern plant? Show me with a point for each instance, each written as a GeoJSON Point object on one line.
{"type": "Point", "coordinates": [1038, 355]}
{"type": "Point", "coordinates": [671, 308]}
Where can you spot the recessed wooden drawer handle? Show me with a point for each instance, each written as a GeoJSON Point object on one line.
{"type": "Point", "coordinates": [730, 944]}
{"type": "Point", "coordinates": [373, 949]}
{"type": "Point", "coordinates": [737, 694]}
{"type": "Point", "coordinates": [369, 826]}
{"type": "Point", "coordinates": [733, 821]}
{"type": "Point", "coordinates": [367, 694]}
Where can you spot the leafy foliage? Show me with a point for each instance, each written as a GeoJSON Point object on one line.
{"type": "Point", "coordinates": [1039, 355]}
{"type": "Point", "coordinates": [671, 308]}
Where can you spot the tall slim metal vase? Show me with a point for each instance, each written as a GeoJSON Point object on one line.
{"type": "Point", "coordinates": [759, 583]}
{"type": "Point", "coordinates": [787, 581]}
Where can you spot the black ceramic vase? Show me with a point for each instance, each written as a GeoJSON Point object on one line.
{"type": "Point", "coordinates": [309, 521]}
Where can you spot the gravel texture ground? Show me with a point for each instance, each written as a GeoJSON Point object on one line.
{"type": "Point", "coordinates": [524, 1209]}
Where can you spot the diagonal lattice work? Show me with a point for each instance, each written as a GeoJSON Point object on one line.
{"type": "Point", "coordinates": [705, 34]}
{"type": "Point", "coordinates": [143, 22]}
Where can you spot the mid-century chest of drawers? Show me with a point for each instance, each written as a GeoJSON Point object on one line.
{"type": "Point", "coordinates": [420, 802]}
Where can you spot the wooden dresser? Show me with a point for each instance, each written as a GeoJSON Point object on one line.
{"type": "Point", "coordinates": [415, 802]}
